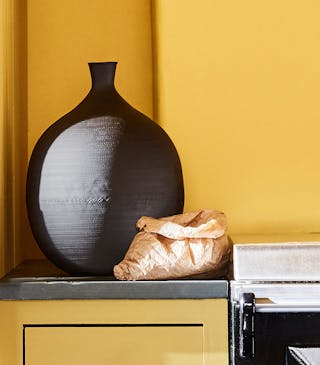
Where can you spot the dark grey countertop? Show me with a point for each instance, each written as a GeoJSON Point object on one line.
{"type": "Point", "coordinates": [39, 279]}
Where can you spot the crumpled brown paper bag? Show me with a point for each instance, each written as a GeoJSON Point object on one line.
{"type": "Point", "coordinates": [191, 245]}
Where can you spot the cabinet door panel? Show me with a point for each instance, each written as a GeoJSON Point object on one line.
{"type": "Point", "coordinates": [136, 345]}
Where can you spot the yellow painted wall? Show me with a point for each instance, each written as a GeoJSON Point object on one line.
{"type": "Point", "coordinates": [63, 36]}
{"type": "Point", "coordinates": [235, 84]}
{"type": "Point", "coordinates": [2, 135]}
{"type": "Point", "coordinates": [13, 131]}
{"type": "Point", "coordinates": [238, 89]}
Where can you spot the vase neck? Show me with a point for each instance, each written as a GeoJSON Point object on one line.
{"type": "Point", "coordinates": [102, 75]}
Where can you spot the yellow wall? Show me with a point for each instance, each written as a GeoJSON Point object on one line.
{"type": "Point", "coordinates": [13, 131]}
{"type": "Point", "coordinates": [238, 85]}
{"type": "Point", "coordinates": [63, 36]}
{"type": "Point", "coordinates": [2, 134]}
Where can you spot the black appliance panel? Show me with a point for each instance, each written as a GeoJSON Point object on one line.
{"type": "Point", "coordinates": [276, 335]}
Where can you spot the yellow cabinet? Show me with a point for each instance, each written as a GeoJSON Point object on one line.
{"type": "Point", "coordinates": [118, 332]}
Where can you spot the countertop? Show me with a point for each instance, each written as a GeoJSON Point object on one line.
{"type": "Point", "coordinates": [41, 280]}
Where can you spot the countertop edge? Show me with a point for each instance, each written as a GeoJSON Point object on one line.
{"type": "Point", "coordinates": [59, 289]}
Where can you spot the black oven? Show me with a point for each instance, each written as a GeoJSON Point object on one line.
{"type": "Point", "coordinates": [274, 331]}
{"type": "Point", "coordinates": [274, 321]}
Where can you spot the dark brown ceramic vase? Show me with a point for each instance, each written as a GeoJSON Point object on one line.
{"type": "Point", "coordinates": [94, 173]}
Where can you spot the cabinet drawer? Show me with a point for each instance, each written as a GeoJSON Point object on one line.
{"type": "Point", "coordinates": [113, 344]}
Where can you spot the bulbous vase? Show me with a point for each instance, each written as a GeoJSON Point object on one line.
{"type": "Point", "coordinates": [94, 173]}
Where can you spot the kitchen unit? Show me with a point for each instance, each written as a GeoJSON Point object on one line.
{"type": "Point", "coordinates": [273, 313]}
{"type": "Point", "coordinates": [53, 319]}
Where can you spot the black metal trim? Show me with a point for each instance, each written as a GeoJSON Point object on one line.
{"type": "Point", "coordinates": [117, 325]}
{"type": "Point", "coordinates": [24, 345]}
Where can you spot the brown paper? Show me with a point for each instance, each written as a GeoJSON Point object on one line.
{"type": "Point", "coordinates": [191, 245]}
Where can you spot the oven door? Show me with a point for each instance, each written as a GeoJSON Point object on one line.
{"type": "Point", "coordinates": [267, 333]}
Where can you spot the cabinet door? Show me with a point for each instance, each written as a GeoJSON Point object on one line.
{"type": "Point", "coordinates": [118, 345]}
{"type": "Point", "coordinates": [117, 332]}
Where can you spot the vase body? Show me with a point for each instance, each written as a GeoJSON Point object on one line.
{"type": "Point", "coordinates": [94, 173]}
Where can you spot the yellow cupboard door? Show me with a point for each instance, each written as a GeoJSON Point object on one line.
{"type": "Point", "coordinates": [114, 344]}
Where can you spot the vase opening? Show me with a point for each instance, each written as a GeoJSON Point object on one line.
{"type": "Point", "coordinates": [102, 75]}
